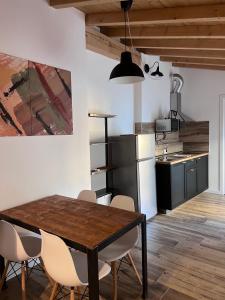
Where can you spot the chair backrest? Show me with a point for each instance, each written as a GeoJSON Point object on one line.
{"type": "Point", "coordinates": [123, 202]}
{"type": "Point", "coordinates": [11, 247]}
{"type": "Point", "coordinates": [87, 195]}
{"type": "Point", "coordinates": [126, 203]}
{"type": "Point", "coordinates": [58, 261]}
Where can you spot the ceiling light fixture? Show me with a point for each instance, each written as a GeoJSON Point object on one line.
{"type": "Point", "coordinates": [126, 72]}
{"type": "Point", "coordinates": [156, 74]}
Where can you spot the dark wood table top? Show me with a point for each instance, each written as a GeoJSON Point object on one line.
{"type": "Point", "coordinates": [81, 224]}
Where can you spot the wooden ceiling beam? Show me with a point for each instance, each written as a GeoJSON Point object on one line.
{"type": "Point", "coordinates": [205, 44]}
{"type": "Point", "coordinates": [195, 66]}
{"type": "Point", "coordinates": [165, 32]}
{"type": "Point", "coordinates": [194, 60]}
{"type": "Point", "coordinates": [99, 43]}
{"type": "Point", "coordinates": [185, 53]}
{"type": "Point", "coordinates": [78, 3]}
{"type": "Point", "coordinates": [175, 15]}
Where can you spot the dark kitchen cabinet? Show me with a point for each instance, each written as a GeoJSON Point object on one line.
{"type": "Point", "coordinates": [177, 183]}
{"type": "Point", "coordinates": [170, 185]}
{"type": "Point", "coordinates": [202, 174]}
{"type": "Point", "coordinates": [191, 183]}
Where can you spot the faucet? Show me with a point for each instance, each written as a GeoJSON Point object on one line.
{"type": "Point", "coordinates": [165, 149]}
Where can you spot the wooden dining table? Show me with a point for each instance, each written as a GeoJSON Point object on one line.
{"type": "Point", "coordinates": [85, 226]}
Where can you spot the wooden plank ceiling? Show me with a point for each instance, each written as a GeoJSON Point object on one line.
{"type": "Point", "coordinates": [188, 33]}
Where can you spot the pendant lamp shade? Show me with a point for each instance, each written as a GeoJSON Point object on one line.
{"type": "Point", "coordinates": [157, 73]}
{"type": "Point", "coordinates": [126, 72]}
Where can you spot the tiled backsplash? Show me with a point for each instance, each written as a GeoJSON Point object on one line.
{"type": "Point", "coordinates": [193, 137]}
{"type": "Point", "coordinates": [171, 148]}
{"type": "Point", "coordinates": [171, 142]}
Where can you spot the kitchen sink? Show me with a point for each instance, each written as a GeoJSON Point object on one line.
{"type": "Point", "coordinates": [167, 158]}
{"type": "Point", "coordinates": [179, 155]}
{"type": "Point", "coordinates": [173, 157]}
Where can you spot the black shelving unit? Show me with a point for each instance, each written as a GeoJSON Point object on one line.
{"type": "Point", "coordinates": [106, 168]}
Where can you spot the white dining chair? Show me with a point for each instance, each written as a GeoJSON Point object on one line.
{"type": "Point", "coordinates": [66, 268]}
{"type": "Point", "coordinates": [17, 248]}
{"type": "Point", "coordinates": [87, 195]}
{"type": "Point", "coordinates": [122, 247]}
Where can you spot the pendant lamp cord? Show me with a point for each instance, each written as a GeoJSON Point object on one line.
{"type": "Point", "coordinates": [128, 21]}
{"type": "Point", "coordinates": [132, 45]}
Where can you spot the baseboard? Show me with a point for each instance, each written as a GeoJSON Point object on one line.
{"type": "Point", "coordinates": [211, 191]}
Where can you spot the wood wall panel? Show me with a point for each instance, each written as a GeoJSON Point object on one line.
{"type": "Point", "coordinates": [195, 136]}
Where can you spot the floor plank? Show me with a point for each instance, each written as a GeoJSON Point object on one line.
{"type": "Point", "coordinates": [186, 257]}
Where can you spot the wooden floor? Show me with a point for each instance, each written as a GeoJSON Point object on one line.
{"type": "Point", "coordinates": [186, 257]}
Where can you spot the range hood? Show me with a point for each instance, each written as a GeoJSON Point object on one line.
{"type": "Point", "coordinates": [175, 97]}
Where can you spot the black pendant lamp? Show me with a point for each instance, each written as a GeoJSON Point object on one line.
{"type": "Point", "coordinates": [126, 72]}
{"type": "Point", "coordinates": [156, 74]}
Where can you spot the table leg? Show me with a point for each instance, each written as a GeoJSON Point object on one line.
{"type": "Point", "coordinates": [2, 268]}
{"type": "Point", "coordinates": [93, 274]}
{"type": "Point", "coordinates": [144, 260]}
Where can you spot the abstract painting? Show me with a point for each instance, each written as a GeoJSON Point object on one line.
{"type": "Point", "coordinates": [35, 99]}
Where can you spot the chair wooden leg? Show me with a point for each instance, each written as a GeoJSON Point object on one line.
{"type": "Point", "coordinates": [23, 280]}
{"type": "Point", "coordinates": [79, 293]}
{"type": "Point", "coordinates": [72, 295]}
{"type": "Point", "coordinates": [54, 290]}
{"type": "Point", "coordinates": [134, 267]}
{"type": "Point", "coordinates": [4, 275]}
{"type": "Point", "coordinates": [114, 274]}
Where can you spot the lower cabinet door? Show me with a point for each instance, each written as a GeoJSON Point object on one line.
{"type": "Point", "coordinates": [191, 183]}
{"type": "Point", "coordinates": [177, 184]}
{"type": "Point", "coordinates": [202, 174]}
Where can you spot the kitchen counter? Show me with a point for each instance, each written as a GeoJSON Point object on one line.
{"type": "Point", "coordinates": [175, 158]}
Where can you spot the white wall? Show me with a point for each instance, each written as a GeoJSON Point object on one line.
{"type": "Point", "coordinates": [32, 167]}
{"type": "Point", "coordinates": [152, 99]}
{"type": "Point", "coordinates": [200, 101]}
{"type": "Point", "coordinates": [107, 97]}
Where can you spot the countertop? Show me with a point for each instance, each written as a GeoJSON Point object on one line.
{"type": "Point", "coordinates": [173, 159]}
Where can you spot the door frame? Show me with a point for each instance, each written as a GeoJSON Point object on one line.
{"type": "Point", "coordinates": [222, 144]}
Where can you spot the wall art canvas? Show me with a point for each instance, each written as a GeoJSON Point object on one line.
{"type": "Point", "coordinates": [35, 99]}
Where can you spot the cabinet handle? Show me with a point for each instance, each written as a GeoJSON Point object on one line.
{"type": "Point", "coordinates": [184, 162]}
{"type": "Point", "coordinates": [192, 170]}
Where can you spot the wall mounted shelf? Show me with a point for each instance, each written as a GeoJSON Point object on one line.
{"type": "Point", "coordinates": [97, 143]}
{"type": "Point", "coordinates": [102, 169]}
{"type": "Point", "coordinates": [96, 115]}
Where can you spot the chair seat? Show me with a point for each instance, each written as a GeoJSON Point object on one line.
{"type": "Point", "coordinates": [80, 261]}
{"type": "Point", "coordinates": [120, 248]}
{"type": "Point", "coordinates": [31, 244]}
{"type": "Point", "coordinates": [114, 252]}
